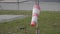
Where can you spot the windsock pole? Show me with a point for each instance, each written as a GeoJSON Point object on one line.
{"type": "Point", "coordinates": [18, 5]}
{"type": "Point", "coordinates": [35, 14]}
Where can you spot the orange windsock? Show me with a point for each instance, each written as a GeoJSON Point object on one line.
{"type": "Point", "coordinates": [35, 13]}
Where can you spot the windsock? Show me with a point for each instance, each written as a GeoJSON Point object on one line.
{"type": "Point", "coordinates": [35, 13]}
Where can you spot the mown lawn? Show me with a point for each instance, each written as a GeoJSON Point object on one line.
{"type": "Point", "coordinates": [15, 12]}
{"type": "Point", "coordinates": [49, 23]}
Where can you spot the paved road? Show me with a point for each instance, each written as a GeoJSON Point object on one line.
{"type": "Point", "coordinates": [4, 18]}
{"type": "Point", "coordinates": [52, 6]}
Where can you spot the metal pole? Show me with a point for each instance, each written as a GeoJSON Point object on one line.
{"type": "Point", "coordinates": [37, 2]}
{"type": "Point", "coordinates": [18, 4]}
{"type": "Point", "coordinates": [37, 27]}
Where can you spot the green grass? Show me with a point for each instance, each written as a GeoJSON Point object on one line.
{"type": "Point", "coordinates": [49, 23]}
{"type": "Point", "coordinates": [14, 12]}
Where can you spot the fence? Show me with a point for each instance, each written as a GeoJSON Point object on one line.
{"type": "Point", "coordinates": [15, 5]}
{"type": "Point", "coordinates": [51, 6]}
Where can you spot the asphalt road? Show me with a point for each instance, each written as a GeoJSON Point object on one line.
{"type": "Point", "coordinates": [52, 6]}
{"type": "Point", "coordinates": [6, 18]}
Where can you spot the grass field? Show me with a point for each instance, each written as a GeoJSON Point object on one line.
{"type": "Point", "coordinates": [15, 12]}
{"type": "Point", "coordinates": [49, 23]}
